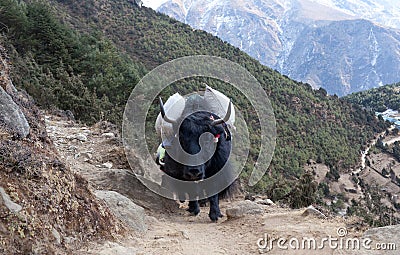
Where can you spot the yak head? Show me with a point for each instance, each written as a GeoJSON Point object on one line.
{"type": "Point", "coordinates": [200, 137]}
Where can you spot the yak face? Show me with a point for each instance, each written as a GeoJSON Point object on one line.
{"type": "Point", "coordinates": [189, 133]}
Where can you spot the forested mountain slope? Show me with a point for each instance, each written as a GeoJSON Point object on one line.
{"type": "Point", "coordinates": [378, 99]}
{"type": "Point", "coordinates": [86, 56]}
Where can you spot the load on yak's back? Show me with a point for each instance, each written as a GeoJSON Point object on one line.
{"type": "Point", "coordinates": [212, 100]}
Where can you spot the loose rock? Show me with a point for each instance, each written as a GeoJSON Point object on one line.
{"type": "Point", "coordinates": [108, 135]}
{"type": "Point", "coordinates": [87, 155]}
{"type": "Point", "coordinates": [242, 208]}
{"type": "Point", "coordinates": [265, 202]}
{"type": "Point", "coordinates": [111, 248]}
{"type": "Point", "coordinates": [312, 211]}
{"type": "Point", "coordinates": [13, 207]}
{"type": "Point", "coordinates": [108, 165]}
{"type": "Point", "coordinates": [56, 235]}
{"type": "Point", "coordinates": [81, 137]}
{"type": "Point", "coordinates": [12, 116]}
{"type": "Point", "coordinates": [124, 209]}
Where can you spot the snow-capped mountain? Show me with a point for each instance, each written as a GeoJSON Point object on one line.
{"type": "Point", "coordinates": [154, 4]}
{"type": "Point", "coordinates": [341, 45]}
{"type": "Point", "coordinates": [385, 12]}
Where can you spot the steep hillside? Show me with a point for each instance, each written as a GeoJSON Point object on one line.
{"type": "Point", "coordinates": [326, 44]}
{"type": "Point", "coordinates": [59, 67]}
{"type": "Point", "coordinates": [311, 125]}
{"type": "Point", "coordinates": [378, 99]}
{"type": "Point", "coordinates": [45, 208]}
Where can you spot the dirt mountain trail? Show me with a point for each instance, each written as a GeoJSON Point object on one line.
{"type": "Point", "coordinates": [392, 140]}
{"type": "Point", "coordinates": [96, 154]}
{"type": "Point", "coordinates": [366, 151]}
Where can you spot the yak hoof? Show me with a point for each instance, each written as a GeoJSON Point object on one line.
{"type": "Point", "coordinates": [194, 211]}
{"type": "Point", "coordinates": [214, 217]}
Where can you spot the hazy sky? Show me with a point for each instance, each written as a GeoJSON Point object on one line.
{"type": "Point", "coordinates": [153, 3]}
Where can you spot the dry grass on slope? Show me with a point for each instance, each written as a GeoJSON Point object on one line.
{"type": "Point", "coordinates": [52, 211]}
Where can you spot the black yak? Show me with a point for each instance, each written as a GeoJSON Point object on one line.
{"type": "Point", "coordinates": [187, 131]}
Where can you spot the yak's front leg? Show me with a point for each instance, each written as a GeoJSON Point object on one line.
{"type": "Point", "coordinates": [194, 207]}
{"type": "Point", "coordinates": [215, 213]}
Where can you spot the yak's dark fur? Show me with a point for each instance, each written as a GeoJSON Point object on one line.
{"type": "Point", "coordinates": [189, 133]}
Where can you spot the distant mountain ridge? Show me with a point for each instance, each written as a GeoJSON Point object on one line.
{"type": "Point", "coordinates": [384, 12]}
{"type": "Point", "coordinates": [324, 43]}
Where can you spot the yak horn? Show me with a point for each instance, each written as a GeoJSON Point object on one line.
{"type": "Point", "coordinates": [226, 118]}
{"type": "Point", "coordinates": [165, 117]}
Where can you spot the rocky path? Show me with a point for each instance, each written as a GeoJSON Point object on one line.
{"type": "Point", "coordinates": [96, 154]}
{"type": "Point", "coordinates": [372, 144]}
{"type": "Point", "coordinates": [391, 141]}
